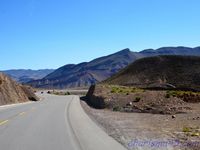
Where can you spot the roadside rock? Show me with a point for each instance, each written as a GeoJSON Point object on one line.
{"type": "Point", "coordinates": [173, 116]}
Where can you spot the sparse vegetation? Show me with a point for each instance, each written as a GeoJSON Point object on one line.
{"type": "Point", "coordinates": [187, 129]}
{"type": "Point", "coordinates": [124, 90]}
{"type": "Point", "coordinates": [182, 93]}
{"type": "Point", "coordinates": [67, 93]}
{"type": "Point", "coordinates": [117, 108]}
{"type": "Point", "coordinates": [59, 92]}
{"type": "Point", "coordinates": [195, 134]}
{"type": "Point", "coordinates": [187, 96]}
{"type": "Point", "coordinates": [167, 95]}
{"type": "Point", "coordinates": [137, 99]}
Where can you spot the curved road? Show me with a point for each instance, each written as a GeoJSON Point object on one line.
{"type": "Point", "coordinates": [54, 123]}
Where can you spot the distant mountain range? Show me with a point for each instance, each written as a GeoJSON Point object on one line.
{"type": "Point", "coordinates": [87, 73]}
{"type": "Point", "coordinates": [172, 51]}
{"type": "Point", "coordinates": [182, 72]}
{"type": "Point", "coordinates": [26, 75]}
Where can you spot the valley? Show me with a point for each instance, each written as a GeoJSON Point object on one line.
{"type": "Point", "coordinates": [99, 75]}
{"type": "Point", "coordinates": [148, 100]}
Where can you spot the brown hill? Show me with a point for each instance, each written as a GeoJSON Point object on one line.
{"type": "Point", "coordinates": [182, 72]}
{"type": "Point", "coordinates": [12, 92]}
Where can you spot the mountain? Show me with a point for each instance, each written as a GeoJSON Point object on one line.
{"type": "Point", "coordinates": [182, 72]}
{"type": "Point", "coordinates": [12, 92]}
{"type": "Point", "coordinates": [87, 73]}
{"type": "Point", "coordinates": [23, 75]}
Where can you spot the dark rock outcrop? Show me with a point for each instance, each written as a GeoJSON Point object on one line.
{"type": "Point", "coordinates": [94, 100]}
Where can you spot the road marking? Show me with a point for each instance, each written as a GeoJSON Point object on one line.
{"type": "Point", "coordinates": [22, 113]}
{"type": "Point", "coordinates": [68, 122]}
{"type": "Point", "coordinates": [3, 122]}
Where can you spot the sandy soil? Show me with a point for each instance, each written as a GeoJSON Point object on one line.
{"type": "Point", "coordinates": [150, 131]}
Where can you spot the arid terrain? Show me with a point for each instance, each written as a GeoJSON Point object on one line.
{"type": "Point", "coordinates": [151, 104]}
{"type": "Point", "coordinates": [151, 131]}
{"type": "Point", "coordinates": [131, 99]}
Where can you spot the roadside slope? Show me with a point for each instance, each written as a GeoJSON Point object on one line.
{"type": "Point", "coordinates": [12, 92]}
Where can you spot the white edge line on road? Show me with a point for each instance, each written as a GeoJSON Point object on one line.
{"type": "Point", "coordinates": [67, 121]}
{"type": "Point", "coordinates": [88, 133]}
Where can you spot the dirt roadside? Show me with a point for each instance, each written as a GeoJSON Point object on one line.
{"type": "Point", "coordinates": [150, 131]}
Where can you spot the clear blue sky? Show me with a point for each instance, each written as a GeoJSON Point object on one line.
{"type": "Point", "coordinates": [50, 33]}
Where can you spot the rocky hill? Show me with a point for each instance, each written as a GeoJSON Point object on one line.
{"type": "Point", "coordinates": [88, 73]}
{"type": "Point", "coordinates": [181, 72]}
{"type": "Point", "coordinates": [12, 92]}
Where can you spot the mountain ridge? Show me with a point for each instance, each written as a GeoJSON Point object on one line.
{"type": "Point", "coordinates": [97, 70]}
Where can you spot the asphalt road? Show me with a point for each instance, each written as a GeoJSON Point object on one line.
{"type": "Point", "coordinates": [54, 123]}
